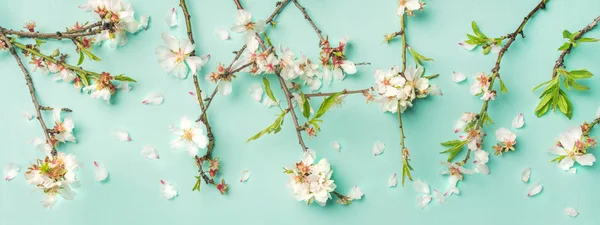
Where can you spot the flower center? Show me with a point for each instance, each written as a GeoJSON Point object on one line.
{"type": "Point", "coordinates": [188, 134]}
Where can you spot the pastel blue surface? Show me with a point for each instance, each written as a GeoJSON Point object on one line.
{"type": "Point", "coordinates": [132, 196]}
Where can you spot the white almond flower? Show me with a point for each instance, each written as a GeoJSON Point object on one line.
{"type": "Point", "coordinates": [481, 159]}
{"type": "Point", "coordinates": [311, 182]}
{"type": "Point", "coordinates": [488, 95]}
{"type": "Point", "coordinates": [571, 147]}
{"type": "Point", "coordinates": [174, 57]}
{"type": "Point", "coordinates": [409, 6]}
{"type": "Point", "coordinates": [54, 175]}
{"type": "Point", "coordinates": [455, 173]}
{"type": "Point", "coordinates": [417, 83]}
{"type": "Point", "coordinates": [480, 85]}
{"type": "Point", "coordinates": [167, 190]}
{"type": "Point", "coordinates": [100, 173]}
{"type": "Point", "coordinates": [122, 18]}
{"type": "Point", "coordinates": [11, 170]}
{"type": "Point", "coordinates": [189, 136]}
{"type": "Point", "coordinates": [388, 83]}
{"type": "Point", "coordinates": [63, 129]}
{"type": "Point", "coordinates": [464, 120]}
{"type": "Point", "coordinates": [245, 24]}
{"type": "Point", "coordinates": [505, 136]}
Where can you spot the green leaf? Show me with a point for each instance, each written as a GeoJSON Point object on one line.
{"type": "Point", "coordinates": [406, 168]}
{"type": "Point", "coordinates": [542, 84]}
{"type": "Point", "coordinates": [503, 88]}
{"type": "Point", "coordinates": [477, 31]}
{"type": "Point", "coordinates": [275, 127]}
{"type": "Point", "coordinates": [457, 146]}
{"type": "Point", "coordinates": [305, 106]}
{"type": "Point", "coordinates": [558, 158]}
{"type": "Point", "coordinates": [84, 79]}
{"type": "Point", "coordinates": [573, 36]}
{"type": "Point", "coordinates": [588, 40]}
{"type": "Point", "coordinates": [39, 42]}
{"type": "Point", "coordinates": [81, 57]}
{"type": "Point", "coordinates": [418, 57]}
{"type": "Point", "coordinates": [565, 46]}
{"type": "Point", "coordinates": [88, 53]}
{"type": "Point", "coordinates": [122, 77]}
{"type": "Point", "coordinates": [451, 143]}
{"type": "Point", "coordinates": [567, 34]}
{"type": "Point", "coordinates": [327, 103]}
{"type": "Point", "coordinates": [268, 89]}
{"type": "Point", "coordinates": [579, 74]}
{"type": "Point", "coordinates": [197, 185]}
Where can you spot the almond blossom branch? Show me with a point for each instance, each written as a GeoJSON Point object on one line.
{"type": "Point", "coordinates": [85, 31]}
{"type": "Point", "coordinates": [38, 108]}
{"type": "Point", "coordinates": [238, 4]}
{"type": "Point", "coordinates": [344, 92]}
{"type": "Point", "coordinates": [404, 44]}
{"type": "Point", "coordinates": [290, 108]}
{"type": "Point", "coordinates": [307, 17]}
{"type": "Point", "coordinates": [561, 60]}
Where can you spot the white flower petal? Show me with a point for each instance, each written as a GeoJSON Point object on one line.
{"type": "Point", "coordinates": [566, 163]}
{"type": "Point", "coordinates": [124, 86]}
{"type": "Point", "coordinates": [167, 190]}
{"type": "Point", "coordinates": [421, 187]}
{"type": "Point", "coordinates": [100, 172]}
{"type": "Point", "coordinates": [11, 170]}
{"type": "Point", "coordinates": [467, 46]}
{"type": "Point", "coordinates": [222, 33]}
{"type": "Point", "coordinates": [121, 135]}
{"type": "Point", "coordinates": [355, 193]}
{"type": "Point", "coordinates": [439, 196]}
{"type": "Point", "coordinates": [27, 115]}
{"type": "Point", "coordinates": [525, 175]}
{"type": "Point", "coordinates": [585, 160]}
{"type": "Point", "coordinates": [149, 152]}
{"type": "Point", "coordinates": [570, 211]}
{"type": "Point", "coordinates": [48, 201]}
{"type": "Point", "coordinates": [534, 189]}
{"type": "Point", "coordinates": [458, 77]}
{"type": "Point", "coordinates": [244, 175]}
{"type": "Point", "coordinates": [144, 20]}
{"type": "Point", "coordinates": [392, 181]}
{"type": "Point", "coordinates": [153, 98]}
{"type": "Point", "coordinates": [378, 148]}
{"type": "Point", "coordinates": [572, 170]}
{"type": "Point", "coordinates": [482, 169]}
{"type": "Point", "coordinates": [171, 19]}
{"type": "Point", "coordinates": [256, 92]}
{"type": "Point", "coordinates": [348, 67]}
{"type": "Point", "coordinates": [452, 191]}
{"type": "Point", "coordinates": [423, 200]}
{"type": "Point", "coordinates": [518, 121]}
{"type": "Point", "coordinates": [336, 146]}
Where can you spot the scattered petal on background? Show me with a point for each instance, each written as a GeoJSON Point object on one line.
{"type": "Point", "coordinates": [149, 152]}
{"type": "Point", "coordinates": [144, 21]}
{"type": "Point", "coordinates": [100, 172]}
{"type": "Point", "coordinates": [378, 148]}
{"type": "Point", "coordinates": [336, 146]}
{"type": "Point", "coordinates": [534, 189]}
{"type": "Point", "coordinates": [27, 115]}
{"type": "Point", "coordinates": [171, 19]}
{"type": "Point", "coordinates": [423, 200]}
{"type": "Point", "coordinates": [167, 190]}
{"type": "Point", "coordinates": [11, 170]}
{"type": "Point", "coordinates": [525, 175]}
{"type": "Point", "coordinates": [222, 33]}
{"type": "Point", "coordinates": [570, 211]}
{"type": "Point", "coordinates": [121, 135]}
{"type": "Point", "coordinates": [392, 181]}
{"type": "Point", "coordinates": [124, 86]}
{"type": "Point", "coordinates": [458, 77]}
{"type": "Point", "coordinates": [573, 170]}
{"type": "Point", "coordinates": [439, 196]}
{"type": "Point", "coordinates": [421, 187]}
{"type": "Point", "coordinates": [518, 121]}
{"type": "Point", "coordinates": [467, 46]}
{"type": "Point", "coordinates": [153, 98]}
{"type": "Point", "coordinates": [256, 92]}
{"type": "Point", "coordinates": [245, 175]}
{"type": "Point", "coordinates": [355, 193]}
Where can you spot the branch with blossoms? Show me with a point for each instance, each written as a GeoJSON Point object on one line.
{"type": "Point", "coordinates": [573, 145]}
{"type": "Point", "coordinates": [473, 124]}
{"type": "Point", "coordinates": [553, 96]}
{"type": "Point", "coordinates": [398, 88]}
{"type": "Point", "coordinates": [56, 173]}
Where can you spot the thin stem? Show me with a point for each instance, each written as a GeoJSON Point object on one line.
{"type": "Point", "coordinates": [238, 4]}
{"type": "Point", "coordinates": [78, 69]}
{"type": "Point", "coordinates": [344, 92]}
{"type": "Point", "coordinates": [278, 9]}
{"type": "Point", "coordinates": [511, 39]}
{"type": "Point", "coordinates": [404, 44]}
{"type": "Point", "coordinates": [47, 108]}
{"type": "Point", "coordinates": [87, 31]}
{"type": "Point", "coordinates": [307, 17]}
{"type": "Point", "coordinates": [188, 24]}
{"type": "Point", "coordinates": [290, 108]}
{"type": "Point", "coordinates": [560, 62]}
{"type": "Point", "coordinates": [31, 91]}
{"type": "Point", "coordinates": [402, 136]}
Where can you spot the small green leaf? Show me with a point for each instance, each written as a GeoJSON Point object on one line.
{"type": "Point", "coordinates": [565, 46]}
{"type": "Point", "coordinates": [197, 185]}
{"type": "Point", "coordinates": [327, 103]}
{"type": "Point", "coordinates": [39, 42]}
{"type": "Point", "coordinates": [588, 40]}
{"type": "Point", "coordinates": [540, 85]}
{"type": "Point", "coordinates": [558, 158]}
{"type": "Point", "coordinates": [81, 57]}
{"type": "Point", "coordinates": [573, 36]}
{"type": "Point", "coordinates": [268, 89]}
{"type": "Point", "coordinates": [477, 31]}
{"type": "Point", "coordinates": [275, 127]}
{"type": "Point", "coordinates": [579, 74]}
{"type": "Point", "coordinates": [84, 79]}
{"type": "Point", "coordinates": [305, 106]}
{"type": "Point", "coordinates": [418, 57]}
{"type": "Point", "coordinates": [567, 34]}
{"type": "Point", "coordinates": [88, 53]}
{"type": "Point", "coordinates": [122, 77]}
{"type": "Point", "coordinates": [503, 88]}
{"type": "Point", "coordinates": [451, 143]}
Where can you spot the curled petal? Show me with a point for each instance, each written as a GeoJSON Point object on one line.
{"type": "Point", "coordinates": [525, 175]}
{"type": "Point", "coordinates": [244, 175]}
{"type": "Point", "coordinates": [518, 121]}
{"type": "Point", "coordinates": [11, 170]}
{"type": "Point", "coordinates": [392, 181]}
{"type": "Point", "coordinates": [534, 190]}
{"type": "Point", "coordinates": [378, 148]}
{"type": "Point", "coordinates": [570, 211]}
{"type": "Point", "coordinates": [458, 77]}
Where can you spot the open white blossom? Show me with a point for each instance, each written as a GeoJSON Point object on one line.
{"type": "Point", "coordinates": [116, 12]}
{"type": "Point", "coordinates": [455, 173]}
{"type": "Point", "coordinates": [54, 175]}
{"type": "Point", "coordinates": [63, 128]}
{"type": "Point", "coordinates": [189, 136]}
{"type": "Point", "coordinates": [311, 182]}
{"type": "Point", "coordinates": [408, 6]}
{"type": "Point", "coordinates": [398, 92]}
{"type": "Point", "coordinates": [481, 84]}
{"type": "Point", "coordinates": [175, 56]}
{"type": "Point", "coordinates": [572, 147]}
{"type": "Point", "coordinates": [244, 24]}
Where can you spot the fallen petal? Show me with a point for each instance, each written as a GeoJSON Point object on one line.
{"type": "Point", "coordinates": [439, 197]}
{"type": "Point", "coordinates": [518, 121]}
{"type": "Point", "coordinates": [392, 181]}
{"type": "Point", "coordinates": [149, 152]}
{"type": "Point", "coordinates": [121, 135]}
{"type": "Point", "coordinates": [570, 211]}
{"type": "Point", "coordinates": [222, 33]}
{"type": "Point", "coordinates": [525, 175]}
{"type": "Point", "coordinates": [11, 170]}
{"type": "Point", "coordinates": [244, 175]}
{"type": "Point", "coordinates": [378, 148]}
{"type": "Point", "coordinates": [423, 200]}
{"type": "Point", "coordinates": [100, 172]}
{"type": "Point", "coordinates": [153, 98]}
{"type": "Point", "coordinates": [534, 190]}
{"type": "Point", "coordinates": [336, 146]}
{"type": "Point", "coordinates": [421, 187]}
{"type": "Point", "coordinates": [458, 77]}
{"type": "Point", "coordinates": [171, 19]}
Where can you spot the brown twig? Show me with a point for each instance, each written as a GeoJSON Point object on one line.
{"type": "Point", "coordinates": [31, 91]}
{"type": "Point", "coordinates": [307, 17]}
{"type": "Point", "coordinates": [560, 62]}
{"type": "Point", "coordinates": [238, 4]}
{"type": "Point", "coordinates": [344, 92]}
{"type": "Point", "coordinates": [288, 97]}
{"type": "Point", "coordinates": [86, 31]}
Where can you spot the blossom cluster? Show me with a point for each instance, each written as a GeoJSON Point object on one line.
{"type": "Point", "coordinates": [311, 182]}
{"type": "Point", "coordinates": [400, 90]}
{"type": "Point", "coordinates": [62, 132]}
{"type": "Point", "coordinates": [54, 175]}
{"type": "Point", "coordinates": [572, 146]}
{"type": "Point", "coordinates": [120, 18]}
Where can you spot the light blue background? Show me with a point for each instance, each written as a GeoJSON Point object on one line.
{"type": "Point", "coordinates": [132, 196]}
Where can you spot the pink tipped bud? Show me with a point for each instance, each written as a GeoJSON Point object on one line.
{"type": "Point", "coordinates": [191, 93]}
{"type": "Point", "coordinates": [95, 164]}
{"type": "Point", "coordinates": [145, 102]}
{"type": "Point", "coordinates": [162, 182]}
